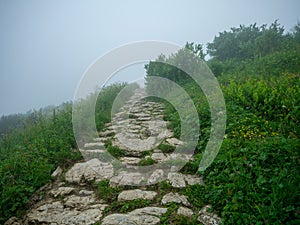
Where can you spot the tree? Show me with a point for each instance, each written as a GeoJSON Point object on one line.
{"type": "Point", "coordinates": [197, 49]}
{"type": "Point", "coordinates": [247, 42]}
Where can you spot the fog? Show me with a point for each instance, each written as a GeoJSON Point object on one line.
{"type": "Point", "coordinates": [47, 45]}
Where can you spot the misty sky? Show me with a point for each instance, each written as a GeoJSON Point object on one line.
{"type": "Point", "coordinates": [45, 46]}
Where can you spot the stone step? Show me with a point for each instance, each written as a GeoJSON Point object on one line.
{"type": "Point", "coordinates": [99, 145]}
{"type": "Point", "coordinates": [129, 195]}
{"type": "Point", "coordinates": [147, 215]}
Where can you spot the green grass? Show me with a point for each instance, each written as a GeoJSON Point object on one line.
{"type": "Point", "coordinates": [166, 148]}
{"type": "Point", "coordinates": [147, 162]}
{"type": "Point", "coordinates": [29, 155]}
{"type": "Point", "coordinates": [107, 193]}
{"type": "Point", "coordinates": [115, 151]}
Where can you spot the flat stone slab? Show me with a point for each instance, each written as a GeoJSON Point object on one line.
{"type": "Point", "coordinates": [158, 157]}
{"type": "Point", "coordinates": [176, 180]}
{"type": "Point", "coordinates": [90, 170]}
{"type": "Point", "coordinates": [156, 177]}
{"type": "Point", "coordinates": [79, 202]}
{"type": "Point", "coordinates": [107, 133]}
{"type": "Point", "coordinates": [175, 197]}
{"type": "Point", "coordinates": [178, 156]}
{"type": "Point", "coordinates": [174, 141]}
{"type": "Point", "coordinates": [61, 191]}
{"type": "Point", "coordinates": [179, 180]}
{"type": "Point", "coordinates": [86, 192]}
{"type": "Point", "coordinates": [147, 215]}
{"type": "Point", "coordinates": [125, 179]}
{"type": "Point", "coordinates": [130, 160]}
{"type": "Point", "coordinates": [184, 211]}
{"type": "Point", "coordinates": [129, 195]}
{"type": "Point", "coordinates": [135, 145]}
{"type": "Point", "coordinates": [100, 139]}
{"type": "Point", "coordinates": [56, 213]}
{"type": "Point", "coordinates": [99, 145]}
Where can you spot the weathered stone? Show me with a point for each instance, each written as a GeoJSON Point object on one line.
{"type": "Point", "coordinates": [130, 160]}
{"type": "Point", "coordinates": [155, 211]}
{"type": "Point", "coordinates": [79, 202]}
{"type": "Point", "coordinates": [61, 191]}
{"type": "Point", "coordinates": [12, 221]}
{"type": "Point", "coordinates": [174, 141]}
{"type": "Point", "coordinates": [90, 170]}
{"type": "Point", "coordinates": [129, 195]}
{"type": "Point", "coordinates": [176, 180]}
{"type": "Point", "coordinates": [93, 151]}
{"type": "Point", "coordinates": [124, 219]}
{"type": "Point", "coordinates": [134, 146]}
{"type": "Point", "coordinates": [125, 178]}
{"type": "Point", "coordinates": [100, 139]}
{"type": "Point", "coordinates": [178, 156]}
{"type": "Point", "coordinates": [175, 197]}
{"type": "Point", "coordinates": [107, 133]}
{"type": "Point", "coordinates": [184, 211]}
{"type": "Point", "coordinates": [208, 218]}
{"type": "Point", "coordinates": [193, 179]}
{"type": "Point", "coordinates": [95, 144]}
{"type": "Point", "coordinates": [85, 192]}
{"type": "Point", "coordinates": [158, 156]}
{"type": "Point", "coordinates": [55, 213]}
{"type": "Point", "coordinates": [156, 177]}
{"type": "Point", "coordinates": [147, 215]}
{"type": "Point", "coordinates": [57, 172]}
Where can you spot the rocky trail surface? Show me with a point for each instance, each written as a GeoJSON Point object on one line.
{"type": "Point", "coordinates": [141, 185]}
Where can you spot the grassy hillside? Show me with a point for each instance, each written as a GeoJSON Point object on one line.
{"type": "Point", "coordinates": [29, 154]}
{"type": "Point", "coordinates": [254, 178]}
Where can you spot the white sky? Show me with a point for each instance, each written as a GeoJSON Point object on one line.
{"type": "Point", "coordinates": [45, 46]}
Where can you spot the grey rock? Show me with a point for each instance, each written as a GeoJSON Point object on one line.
{"type": "Point", "coordinates": [100, 139]}
{"type": "Point", "coordinates": [107, 133]}
{"type": "Point", "coordinates": [174, 141]}
{"type": "Point", "coordinates": [156, 177]}
{"type": "Point", "coordinates": [124, 219]}
{"type": "Point", "coordinates": [90, 170]}
{"type": "Point", "coordinates": [155, 211]}
{"type": "Point", "coordinates": [181, 180]}
{"type": "Point", "coordinates": [175, 197]}
{"type": "Point", "coordinates": [86, 192]}
{"type": "Point", "coordinates": [129, 195]}
{"type": "Point", "coordinates": [125, 178]}
{"type": "Point", "coordinates": [12, 221]}
{"type": "Point", "coordinates": [178, 156]}
{"type": "Point", "coordinates": [61, 191]}
{"type": "Point", "coordinates": [158, 156]}
{"type": "Point", "coordinates": [176, 180]}
{"type": "Point", "coordinates": [55, 213]}
{"type": "Point", "coordinates": [193, 179]}
{"type": "Point", "coordinates": [95, 144]}
{"type": "Point", "coordinates": [57, 172]}
{"type": "Point", "coordinates": [147, 215]}
{"type": "Point", "coordinates": [79, 202]}
{"type": "Point", "coordinates": [184, 211]}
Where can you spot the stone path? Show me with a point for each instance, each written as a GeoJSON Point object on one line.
{"type": "Point", "coordinates": [139, 132]}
